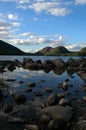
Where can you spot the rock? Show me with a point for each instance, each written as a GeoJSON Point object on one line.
{"type": "Point", "coordinates": [82, 75]}
{"type": "Point", "coordinates": [27, 60]}
{"type": "Point", "coordinates": [48, 90]}
{"type": "Point", "coordinates": [11, 67]}
{"type": "Point", "coordinates": [45, 119]}
{"type": "Point", "coordinates": [39, 94]}
{"type": "Point", "coordinates": [80, 125]}
{"type": "Point", "coordinates": [31, 127]}
{"type": "Point", "coordinates": [71, 62]}
{"type": "Point", "coordinates": [31, 84]}
{"type": "Point", "coordinates": [33, 66]}
{"type": "Point", "coordinates": [56, 125]}
{"type": "Point", "coordinates": [61, 95]}
{"type": "Point", "coordinates": [65, 85]}
{"type": "Point", "coordinates": [19, 98]}
{"type": "Point", "coordinates": [1, 95]}
{"type": "Point", "coordinates": [39, 62]}
{"type": "Point", "coordinates": [21, 82]}
{"type": "Point", "coordinates": [52, 99]}
{"type": "Point", "coordinates": [84, 98]}
{"type": "Point", "coordinates": [59, 63]}
{"type": "Point", "coordinates": [29, 90]}
{"type": "Point", "coordinates": [83, 64]}
{"type": "Point", "coordinates": [59, 112]}
{"type": "Point", "coordinates": [63, 102]}
{"type": "Point", "coordinates": [7, 108]}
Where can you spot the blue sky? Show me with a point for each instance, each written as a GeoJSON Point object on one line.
{"type": "Point", "coordinates": [34, 24]}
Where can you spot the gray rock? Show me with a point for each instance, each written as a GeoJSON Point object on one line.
{"type": "Point", "coordinates": [52, 99]}
{"type": "Point", "coordinates": [31, 127]}
{"type": "Point", "coordinates": [59, 112]}
{"type": "Point", "coordinates": [63, 102]}
{"type": "Point", "coordinates": [59, 63]}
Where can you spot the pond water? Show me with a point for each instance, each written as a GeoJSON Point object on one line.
{"type": "Point", "coordinates": [43, 80]}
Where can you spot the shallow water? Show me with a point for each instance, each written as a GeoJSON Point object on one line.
{"type": "Point", "coordinates": [43, 80]}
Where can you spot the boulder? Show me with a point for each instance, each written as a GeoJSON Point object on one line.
{"type": "Point", "coordinates": [31, 127]}
{"type": "Point", "coordinates": [59, 63]}
{"type": "Point", "coordinates": [59, 112]}
{"type": "Point", "coordinates": [52, 99]}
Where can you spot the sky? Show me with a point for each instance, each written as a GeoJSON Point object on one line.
{"type": "Point", "coordinates": [32, 25]}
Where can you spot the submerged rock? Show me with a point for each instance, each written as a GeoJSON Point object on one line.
{"type": "Point", "coordinates": [31, 84]}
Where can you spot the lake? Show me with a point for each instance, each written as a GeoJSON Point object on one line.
{"type": "Point", "coordinates": [43, 80]}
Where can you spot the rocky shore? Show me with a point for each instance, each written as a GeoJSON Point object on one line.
{"type": "Point", "coordinates": [56, 112]}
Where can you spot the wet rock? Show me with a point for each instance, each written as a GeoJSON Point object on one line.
{"type": "Point", "coordinates": [11, 67]}
{"type": "Point", "coordinates": [31, 127]}
{"type": "Point", "coordinates": [48, 90]}
{"type": "Point", "coordinates": [39, 62]}
{"type": "Point", "coordinates": [27, 60]}
{"type": "Point", "coordinates": [19, 98]}
{"type": "Point", "coordinates": [48, 64]}
{"type": "Point", "coordinates": [7, 108]}
{"type": "Point", "coordinates": [59, 63]}
{"type": "Point", "coordinates": [52, 99]}
{"type": "Point", "coordinates": [59, 112]}
{"type": "Point", "coordinates": [65, 86]}
{"type": "Point", "coordinates": [29, 90]}
{"type": "Point", "coordinates": [82, 75]}
{"type": "Point", "coordinates": [82, 64]}
{"type": "Point", "coordinates": [21, 82]}
{"type": "Point", "coordinates": [71, 62]}
{"type": "Point", "coordinates": [63, 102]}
{"type": "Point", "coordinates": [31, 84]}
{"type": "Point", "coordinates": [33, 66]}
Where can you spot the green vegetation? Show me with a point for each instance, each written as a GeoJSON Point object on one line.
{"type": "Point", "coordinates": [7, 49]}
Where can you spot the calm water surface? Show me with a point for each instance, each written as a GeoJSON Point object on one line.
{"type": "Point", "coordinates": [43, 80]}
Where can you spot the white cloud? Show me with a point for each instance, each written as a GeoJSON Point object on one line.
{"type": "Point", "coordinates": [75, 47]}
{"type": "Point", "coordinates": [12, 16]}
{"type": "Point", "coordinates": [80, 1]}
{"type": "Point", "coordinates": [54, 8]}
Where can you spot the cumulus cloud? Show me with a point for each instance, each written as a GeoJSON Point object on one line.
{"type": "Point", "coordinates": [53, 7]}
{"type": "Point", "coordinates": [12, 16]}
{"type": "Point", "coordinates": [80, 1]}
{"type": "Point", "coordinates": [7, 29]}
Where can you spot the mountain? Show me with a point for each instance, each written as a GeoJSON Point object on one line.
{"type": "Point", "coordinates": [7, 49]}
{"type": "Point", "coordinates": [60, 50]}
{"type": "Point", "coordinates": [83, 49]}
